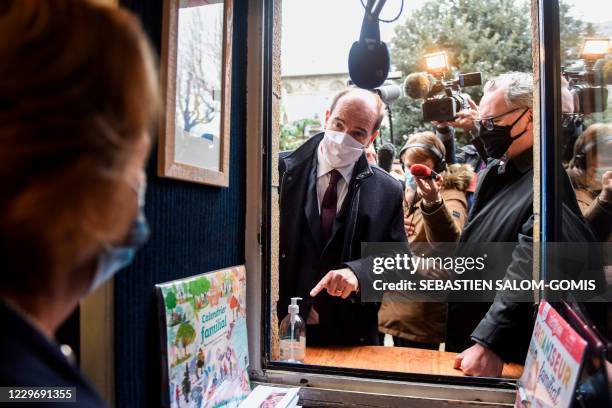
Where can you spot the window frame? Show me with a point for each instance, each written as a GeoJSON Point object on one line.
{"type": "Point", "coordinates": [335, 382]}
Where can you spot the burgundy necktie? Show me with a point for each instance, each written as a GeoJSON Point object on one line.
{"type": "Point", "coordinates": [329, 205]}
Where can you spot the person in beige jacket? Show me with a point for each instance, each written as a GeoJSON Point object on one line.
{"type": "Point", "coordinates": [590, 171]}
{"type": "Point", "coordinates": [435, 211]}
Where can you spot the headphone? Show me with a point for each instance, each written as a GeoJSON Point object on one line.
{"type": "Point", "coordinates": [580, 159]}
{"type": "Point", "coordinates": [440, 162]}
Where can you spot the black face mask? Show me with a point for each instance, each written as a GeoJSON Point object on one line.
{"type": "Point", "coordinates": [497, 140]}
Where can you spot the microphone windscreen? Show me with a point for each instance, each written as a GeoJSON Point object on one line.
{"type": "Point", "coordinates": [369, 64]}
{"type": "Point", "coordinates": [422, 171]}
{"type": "Point", "coordinates": [417, 85]}
{"type": "Point", "coordinates": [389, 93]}
{"type": "Point", "coordinates": [386, 155]}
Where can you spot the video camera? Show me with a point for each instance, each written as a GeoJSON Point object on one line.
{"type": "Point", "coordinates": [588, 87]}
{"type": "Point", "coordinates": [589, 95]}
{"type": "Point", "coordinates": [443, 98]}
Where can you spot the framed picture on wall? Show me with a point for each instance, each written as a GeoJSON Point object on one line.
{"type": "Point", "coordinates": [196, 74]}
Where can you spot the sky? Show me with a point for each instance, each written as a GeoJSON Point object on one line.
{"type": "Point", "coordinates": [317, 34]}
{"type": "Point", "coordinates": [593, 11]}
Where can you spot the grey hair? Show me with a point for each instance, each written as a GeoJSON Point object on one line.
{"type": "Point", "coordinates": [519, 88]}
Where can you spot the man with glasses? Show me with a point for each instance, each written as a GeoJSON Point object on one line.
{"type": "Point", "coordinates": [489, 334]}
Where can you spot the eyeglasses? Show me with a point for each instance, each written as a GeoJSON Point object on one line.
{"type": "Point", "coordinates": [489, 123]}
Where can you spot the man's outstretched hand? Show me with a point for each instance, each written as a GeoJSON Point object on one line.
{"type": "Point", "coordinates": [479, 361]}
{"type": "Point", "coordinates": [340, 282]}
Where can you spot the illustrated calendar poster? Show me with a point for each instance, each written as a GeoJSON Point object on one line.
{"type": "Point", "coordinates": [204, 332]}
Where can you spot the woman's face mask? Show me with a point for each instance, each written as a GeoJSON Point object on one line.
{"type": "Point", "coordinates": [410, 180]}
{"type": "Point", "coordinates": [340, 149]}
{"type": "Point", "coordinates": [114, 258]}
{"type": "Point", "coordinates": [496, 138]}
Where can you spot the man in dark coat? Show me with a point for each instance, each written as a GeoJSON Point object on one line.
{"type": "Point", "coordinates": [490, 334]}
{"type": "Point", "coordinates": [332, 200]}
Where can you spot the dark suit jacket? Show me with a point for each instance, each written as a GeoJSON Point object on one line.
{"type": "Point", "coordinates": [28, 359]}
{"type": "Point", "coordinates": [372, 211]}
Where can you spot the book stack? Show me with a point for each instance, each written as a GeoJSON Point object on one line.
{"type": "Point", "coordinates": [264, 396]}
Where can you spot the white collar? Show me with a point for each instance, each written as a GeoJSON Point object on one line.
{"type": "Point", "coordinates": [323, 167]}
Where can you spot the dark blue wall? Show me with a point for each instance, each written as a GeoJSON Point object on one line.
{"type": "Point", "coordinates": [195, 228]}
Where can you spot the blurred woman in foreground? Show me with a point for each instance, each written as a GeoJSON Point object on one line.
{"type": "Point", "coordinates": [78, 91]}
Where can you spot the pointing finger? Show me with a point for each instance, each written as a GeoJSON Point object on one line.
{"type": "Point", "coordinates": [320, 286]}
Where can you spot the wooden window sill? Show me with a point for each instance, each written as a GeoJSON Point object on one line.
{"type": "Point", "coordinates": [394, 359]}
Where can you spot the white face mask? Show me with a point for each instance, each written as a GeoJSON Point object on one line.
{"type": "Point", "coordinates": [340, 149]}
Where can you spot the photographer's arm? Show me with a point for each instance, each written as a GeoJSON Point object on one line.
{"type": "Point", "coordinates": [466, 118]}
{"type": "Point", "coordinates": [446, 134]}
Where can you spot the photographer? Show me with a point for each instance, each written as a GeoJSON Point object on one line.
{"type": "Point", "coordinates": [436, 213]}
{"type": "Point", "coordinates": [472, 153]}
{"type": "Point", "coordinates": [446, 107]}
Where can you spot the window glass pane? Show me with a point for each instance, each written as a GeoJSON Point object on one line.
{"type": "Point", "coordinates": [320, 225]}
{"type": "Point", "coordinates": [586, 155]}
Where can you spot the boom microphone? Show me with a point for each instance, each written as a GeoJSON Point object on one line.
{"type": "Point", "coordinates": [369, 59]}
{"type": "Point", "coordinates": [417, 85]}
{"type": "Point", "coordinates": [386, 155]}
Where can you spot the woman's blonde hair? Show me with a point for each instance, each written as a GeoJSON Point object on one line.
{"type": "Point", "coordinates": [78, 89]}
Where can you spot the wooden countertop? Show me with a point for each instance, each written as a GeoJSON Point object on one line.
{"type": "Point", "coordinates": [399, 359]}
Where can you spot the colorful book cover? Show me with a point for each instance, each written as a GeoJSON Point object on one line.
{"type": "Point", "coordinates": [264, 396]}
{"type": "Point", "coordinates": [553, 362]}
{"type": "Point", "coordinates": [204, 332]}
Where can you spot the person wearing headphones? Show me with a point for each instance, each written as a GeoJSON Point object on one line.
{"type": "Point", "coordinates": [435, 213]}
{"type": "Point", "coordinates": [591, 177]}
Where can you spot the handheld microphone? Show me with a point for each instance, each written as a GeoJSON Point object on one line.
{"type": "Point", "coordinates": [386, 155]}
{"type": "Point", "coordinates": [369, 59]}
{"type": "Point", "coordinates": [422, 171]}
{"type": "Point", "coordinates": [417, 85]}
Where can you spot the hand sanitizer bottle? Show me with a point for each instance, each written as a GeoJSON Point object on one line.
{"type": "Point", "coordinates": [293, 335]}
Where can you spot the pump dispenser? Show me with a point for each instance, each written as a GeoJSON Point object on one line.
{"type": "Point", "coordinates": [293, 335]}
